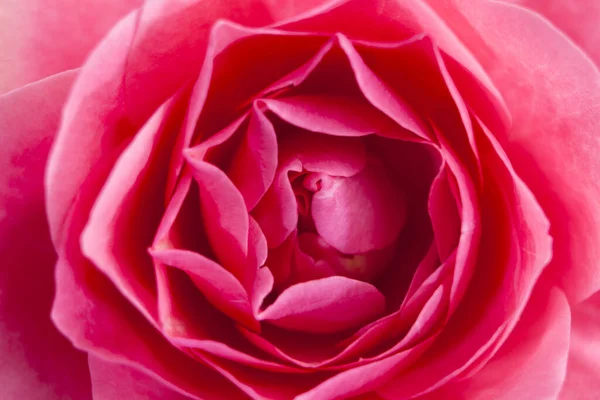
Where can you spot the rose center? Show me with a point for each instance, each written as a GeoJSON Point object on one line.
{"type": "Point", "coordinates": [350, 223]}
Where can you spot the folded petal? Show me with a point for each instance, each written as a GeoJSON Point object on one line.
{"type": "Point", "coordinates": [325, 305]}
{"type": "Point", "coordinates": [531, 364]}
{"type": "Point", "coordinates": [553, 140]}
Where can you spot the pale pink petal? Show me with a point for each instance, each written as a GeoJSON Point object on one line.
{"type": "Point", "coordinates": [553, 141]}
{"type": "Point", "coordinates": [583, 366]}
{"type": "Point", "coordinates": [36, 360]}
{"type": "Point", "coordinates": [530, 365]}
{"type": "Point", "coordinates": [326, 305]}
{"type": "Point", "coordinates": [112, 381]}
{"type": "Point", "coordinates": [577, 18]}
{"type": "Point", "coordinates": [360, 213]}
{"type": "Point", "coordinates": [51, 42]}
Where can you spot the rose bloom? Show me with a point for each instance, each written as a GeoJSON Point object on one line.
{"type": "Point", "coordinates": [233, 199]}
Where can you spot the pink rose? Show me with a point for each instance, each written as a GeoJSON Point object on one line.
{"type": "Point", "coordinates": [299, 200]}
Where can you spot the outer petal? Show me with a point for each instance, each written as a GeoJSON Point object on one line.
{"type": "Point", "coordinates": [40, 38]}
{"type": "Point", "coordinates": [553, 92]}
{"type": "Point", "coordinates": [152, 54]}
{"type": "Point", "coordinates": [113, 382]}
{"type": "Point", "coordinates": [577, 18]}
{"type": "Point", "coordinates": [531, 364]}
{"type": "Point", "coordinates": [583, 368]}
{"type": "Point", "coordinates": [36, 361]}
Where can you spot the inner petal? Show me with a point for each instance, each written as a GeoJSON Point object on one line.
{"type": "Point", "coordinates": [360, 213]}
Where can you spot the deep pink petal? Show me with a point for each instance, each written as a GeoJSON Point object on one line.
{"type": "Point", "coordinates": [583, 367]}
{"type": "Point", "coordinates": [262, 287]}
{"type": "Point", "coordinates": [36, 360]}
{"type": "Point", "coordinates": [126, 213]}
{"type": "Point", "coordinates": [225, 217]}
{"type": "Point", "coordinates": [190, 321]}
{"type": "Point", "coordinates": [530, 365]}
{"type": "Point", "coordinates": [444, 215]}
{"type": "Point", "coordinates": [515, 248]}
{"type": "Point", "coordinates": [360, 213]}
{"type": "Point", "coordinates": [277, 212]}
{"type": "Point", "coordinates": [377, 21]}
{"type": "Point", "coordinates": [338, 156]}
{"type": "Point", "coordinates": [255, 162]}
{"type": "Point", "coordinates": [112, 381]}
{"type": "Point", "coordinates": [377, 92]}
{"type": "Point", "coordinates": [553, 140]}
{"type": "Point", "coordinates": [152, 56]}
{"type": "Point", "coordinates": [339, 116]}
{"type": "Point", "coordinates": [51, 42]}
{"type": "Point", "coordinates": [92, 314]}
{"type": "Point", "coordinates": [219, 286]}
{"type": "Point", "coordinates": [365, 378]}
{"type": "Point", "coordinates": [326, 305]}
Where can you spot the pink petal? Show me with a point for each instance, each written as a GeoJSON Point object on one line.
{"type": "Point", "coordinates": [553, 141]}
{"type": "Point", "coordinates": [360, 213]}
{"type": "Point", "coordinates": [233, 74]}
{"type": "Point", "coordinates": [112, 381]}
{"type": "Point", "coordinates": [338, 116]}
{"type": "Point", "coordinates": [262, 287]}
{"type": "Point", "coordinates": [365, 378]}
{"type": "Point", "coordinates": [583, 366]}
{"type": "Point", "coordinates": [531, 364]}
{"type": "Point", "coordinates": [152, 56]}
{"type": "Point", "coordinates": [578, 19]}
{"type": "Point", "coordinates": [338, 156]}
{"type": "Point", "coordinates": [219, 286]}
{"type": "Point", "coordinates": [126, 214]}
{"type": "Point", "coordinates": [37, 361]}
{"type": "Point", "coordinates": [255, 162]}
{"type": "Point", "coordinates": [49, 43]}
{"type": "Point", "coordinates": [364, 267]}
{"type": "Point", "coordinates": [191, 322]}
{"type": "Point", "coordinates": [277, 211]}
{"type": "Point", "coordinates": [377, 21]}
{"type": "Point", "coordinates": [92, 313]}
{"type": "Point", "coordinates": [225, 217]}
{"type": "Point", "coordinates": [492, 304]}
{"type": "Point", "coordinates": [444, 215]}
{"type": "Point", "coordinates": [377, 92]}
{"type": "Point", "coordinates": [326, 305]}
